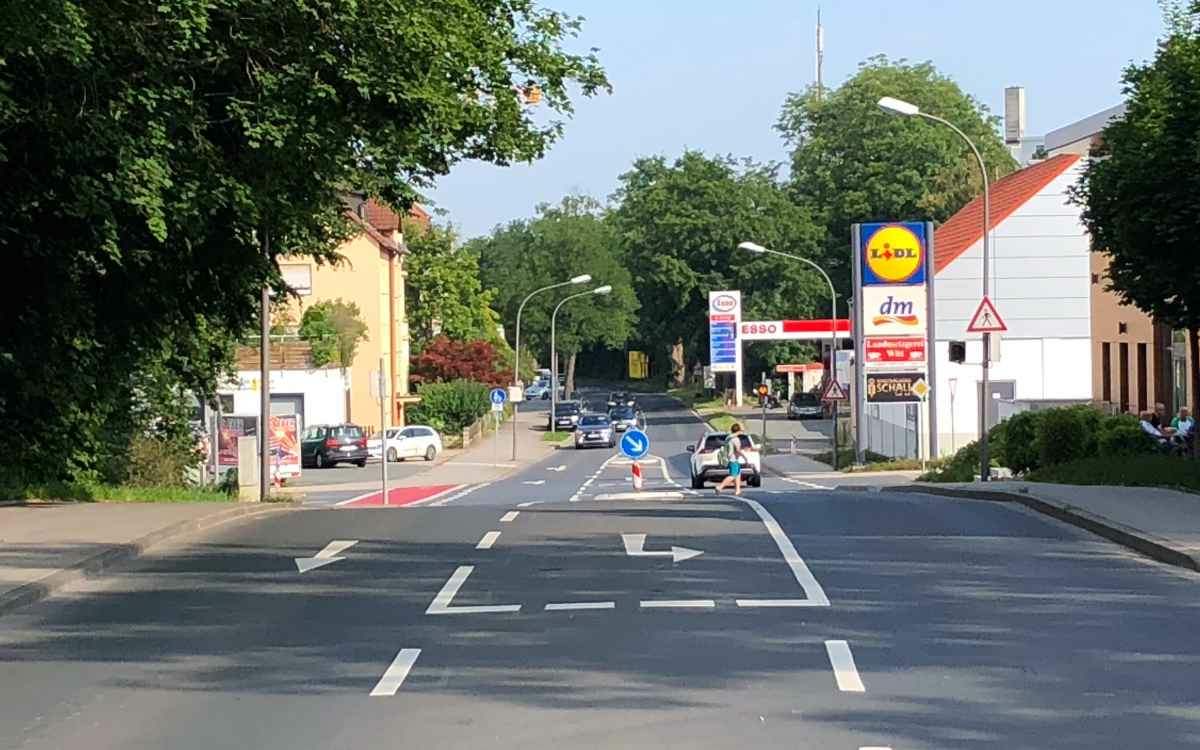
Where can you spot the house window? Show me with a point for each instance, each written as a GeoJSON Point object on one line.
{"type": "Point", "coordinates": [298, 277]}
{"type": "Point", "coordinates": [1123, 369]}
{"type": "Point", "coordinates": [1106, 371]}
{"type": "Point", "coordinates": [1141, 376]}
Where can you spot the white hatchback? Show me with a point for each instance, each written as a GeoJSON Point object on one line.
{"type": "Point", "coordinates": [415, 441]}
{"type": "Point", "coordinates": [706, 467]}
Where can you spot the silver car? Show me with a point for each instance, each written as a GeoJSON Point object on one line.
{"type": "Point", "coordinates": [595, 429]}
{"type": "Point", "coordinates": [625, 418]}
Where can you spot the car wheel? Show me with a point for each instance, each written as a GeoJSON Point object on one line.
{"type": "Point", "coordinates": [392, 457]}
{"type": "Point", "coordinates": [430, 453]}
{"type": "Point", "coordinates": [697, 482]}
{"type": "Point", "coordinates": [320, 462]}
{"type": "Point", "coordinates": [361, 463]}
{"type": "Point", "coordinates": [756, 481]}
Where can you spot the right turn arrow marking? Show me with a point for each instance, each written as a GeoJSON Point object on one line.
{"type": "Point", "coordinates": [634, 544]}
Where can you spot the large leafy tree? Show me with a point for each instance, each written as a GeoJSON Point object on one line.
{"type": "Point", "coordinates": [562, 241]}
{"type": "Point", "coordinates": [852, 162]}
{"type": "Point", "coordinates": [445, 293]}
{"type": "Point", "coordinates": [148, 151]}
{"type": "Point", "coordinates": [1139, 190]}
{"type": "Point", "coordinates": [679, 224]}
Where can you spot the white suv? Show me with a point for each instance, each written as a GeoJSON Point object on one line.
{"type": "Point", "coordinates": [706, 468]}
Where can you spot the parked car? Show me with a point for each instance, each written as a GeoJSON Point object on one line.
{"type": "Point", "coordinates": [538, 390]}
{"type": "Point", "coordinates": [805, 405]}
{"type": "Point", "coordinates": [414, 441]}
{"type": "Point", "coordinates": [330, 445]}
{"type": "Point", "coordinates": [566, 416]}
{"type": "Point", "coordinates": [625, 417]}
{"type": "Point", "coordinates": [706, 468]}
{"type": "Point", "coordinates": [595, 429]}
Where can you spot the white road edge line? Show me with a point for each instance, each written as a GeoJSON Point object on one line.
{"type": "Point", "coordinates": [807, 485]}
{"type": "Point", "coordinates": [768, 603]}
{"type": "Point", "coordinates": [488, 540]}
{"type": "Point", "coordinates": [572, 606]}
{"type": "Point", "coordinates": [588, 482]}
{"type": "Point", "coordinates": [800, 570]}
{"type": "Point", "coordinates": [650, 495]}
{"type": "Point", "coordinates": [510, 516]}
{"type": "Point", "coordinates": [441, 602]}
{"type": "Point", "coordinates": [394, 676]}
{"type": "Point", "coordinates": [677, 604]}
{"type": "Point", "coordinates": [875, 747]}
{"type": "Point", "coordinates": [844, 670]}
{"type": "Point", "coordinates": [464, 493]}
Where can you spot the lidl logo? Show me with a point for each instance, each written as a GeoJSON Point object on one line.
{"type": "Point", "coordinates": [893, 253]}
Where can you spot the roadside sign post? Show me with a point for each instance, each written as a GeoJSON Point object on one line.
{"type": "Point", "coordinates": [922, 389]}
{"type": "Point", "coordinates": [985, 321]}
{"type": "Point", "coordinates": [497, 397]}
{"type": "Point", "coordinates": [383, 459]}
{"type": "Point", "coordinates": [763, 390]}
{"type": "Point", "coordinates": [635, 444]}
{"type": "Point", "coordinates": [835, 395]}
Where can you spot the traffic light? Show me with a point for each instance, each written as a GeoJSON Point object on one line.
{"type": "Point", "coordinates": [958, 351]}
{"type": "Point", "coordinates": [763, 389]}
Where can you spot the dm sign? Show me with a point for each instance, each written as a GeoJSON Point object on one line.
{"type": "Point", "coordinates": [893, 253]}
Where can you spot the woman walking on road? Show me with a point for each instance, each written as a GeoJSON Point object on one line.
{"type": "Point", "coordinates": [731, 456]}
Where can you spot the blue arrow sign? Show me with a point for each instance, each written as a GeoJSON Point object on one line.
{"type": "Point", "coordinates": [498, 396]}
{"type": "Point", "coordinates": [635, 444]}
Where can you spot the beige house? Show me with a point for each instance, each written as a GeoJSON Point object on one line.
{"type": "Point", "coordinates": [371, 275]}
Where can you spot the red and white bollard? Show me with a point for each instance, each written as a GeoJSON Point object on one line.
{"type": "Point", "coordinates": [637, 476]}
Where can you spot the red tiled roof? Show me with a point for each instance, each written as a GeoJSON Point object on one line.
{"type": "Point", "coordinates": [1009, 193]}
{"type": "Point", "coordinates": [379, 237]}
{"type": "Point", "coordinates": [386, 220]}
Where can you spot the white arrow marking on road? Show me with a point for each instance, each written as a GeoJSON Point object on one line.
{"type": "Point", "coordinates": [327, 555]}
{"type": "Point", "coordinates": [534, 481]}
{"type": "Point", "coordinates": [635, 542]}
{"type": "Point", "coordinates": [556, 468]}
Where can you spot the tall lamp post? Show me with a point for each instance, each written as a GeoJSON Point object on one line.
{"type": "Point", "coordinates": [583, 279]}
{"type": "Point", "coordinates": [833, 336]}
{"type": "Point", "coordinates": [554, 352]}
{"type": "Point", "coordinates": [906, 109]}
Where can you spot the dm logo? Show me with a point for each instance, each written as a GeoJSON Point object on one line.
{"type": "Point", "coordinates": [894, 255]}
{"type": "Point", "coordinates": [896, 312]}
{"type": "Point", "coordinates": [724, 303]}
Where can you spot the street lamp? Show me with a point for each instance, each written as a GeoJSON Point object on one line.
{"type": "Point", "coordinates": [754, 247]}
{"type": "Point", "coordinates": [582, 279]}
{"type": "Point", "coordinates": [905, 109]}
{"type": "Point", "coordinates": [606, 289]}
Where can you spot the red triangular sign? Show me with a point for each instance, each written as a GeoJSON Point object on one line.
{"type": "Point", "coordinates": [834, 392]}
{"type": "Point", "coordinates": [986, 319]}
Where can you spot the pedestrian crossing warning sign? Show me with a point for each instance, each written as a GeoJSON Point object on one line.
{"type": "Point", "coordinates": [986, 319]}
{"type": "Point", "coordinates": [834, 392]}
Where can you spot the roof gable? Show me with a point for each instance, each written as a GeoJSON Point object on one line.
{"type": "Point", "coordinates": [1009, 193]}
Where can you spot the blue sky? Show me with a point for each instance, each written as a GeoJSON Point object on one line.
{"type": "Point", "coordinates": [712, 75]}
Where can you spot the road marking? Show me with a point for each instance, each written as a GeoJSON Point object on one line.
{"type": "Point", "coordinates": [807, 485]}
{"type": "Point", "coordinates": [328, 554]}
{"type": "Point", "coordinates": [661, 495]}
{"type": "Point", "coordinates": [572, 606]}
{"type": "Point", "coordinates": [393, 678]}
{"type": "Point", "coordinates": [510, 516]}
{"type": "Point", "coordinates": [677, 604]}
{"type": "Point", "coordinates": [534, 482]}
{"type": "Point", "coordinates": [844, 670]}
{"type": "Point", "coordinates": [400, 497]}
{"type": "Point", "coordinates": [458, 495]}
{"type": "Point", "coordinates": [560, 467]}
{"type": "Point", "coordinates": [767, 603]}
{"type": "Point", "coordinates": [488, 540]}
{"type": "Point", "coordinates": [874, 747]}
{"type": "Point", "coordinates": [635, 547]}
{"type": "Point", "coordinates": [441, 602]}
{"type": "Point", "coordinates": [800, 570]}
{"type": "Point", "coordinates": [588, 482]}
{"type": "Point", "coordinates": [482, 463]}
{"type": "Point", "coordinates": [530, 503]}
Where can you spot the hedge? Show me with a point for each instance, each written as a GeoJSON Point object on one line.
{"type": "Point", "coordinates": [451, 406]}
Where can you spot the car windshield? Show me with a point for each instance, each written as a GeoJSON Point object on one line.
{"type": "Point", "coordinates": [805, 399]}
{"type": "Point", "coordinates": [346, 431]}
{"type": "Point", "coordinates": [594, 420]}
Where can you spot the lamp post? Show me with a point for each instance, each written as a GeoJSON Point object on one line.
{"type": "Point", "coordinates": [583, 279]}
{"type": "Point", "coordinates": [554, 352]}
{"type": "Point", "coordinates": [906, 109]}
{"type": "Point", "coordinates": [833, 337]}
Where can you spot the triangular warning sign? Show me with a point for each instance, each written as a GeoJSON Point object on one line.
{"type": "Point", "coordinates": [986, 319]}
{"type": "Point", "coordinates": [834, 392]}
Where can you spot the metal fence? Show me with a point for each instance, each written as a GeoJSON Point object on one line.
{"type": "Point", "coordinates": [893, 429]}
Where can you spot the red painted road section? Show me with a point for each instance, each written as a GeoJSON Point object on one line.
{"type": "Point", "coordinates": [398, 497]}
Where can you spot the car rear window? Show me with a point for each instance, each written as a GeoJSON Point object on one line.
{"type": "Point", "coordinates": [568, 409]}
{"type": "Point", "coordinates": [714, 442]}
{"type": "Point", "coordinates": [594, 421]}
{"type": "Point", "coordinates": [626, 413]}
{"type": "Point", "coordinates": [346, 431]}
{"type": "Point", "coordinates": [806, 399]}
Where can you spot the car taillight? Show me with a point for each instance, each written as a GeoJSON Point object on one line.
{"type": "Point", "coordinates": [362, 442]}
{"type": "Point", "coordinates": [331, 443]}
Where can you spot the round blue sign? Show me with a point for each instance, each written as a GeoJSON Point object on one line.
{"type": "Point", "coordinates": [635, 444]}
{"type": "Point", "coordinates": [498, 396]}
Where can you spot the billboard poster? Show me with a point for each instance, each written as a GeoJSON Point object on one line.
{"type": "Point", "coordinates": [285, 445]}
{"type": "Point", "coordinates": [895, 311]}
{"type": "Point", "coordinates": [893, 253]}
{"type": "Point", "coordinates": [892, 387]}
{"type": "Point", "coordinates": [229, 430]}
{"type": "Point", "coordinates": [895, 350]}
{"type": "Point", "coordinates": [724, 317]}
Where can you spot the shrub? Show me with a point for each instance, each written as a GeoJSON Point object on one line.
{"type": "Point", "coordinates": [449, 407]}
{"type": "Point", "coordinates": [333, 329]}
{"type": "Point", "coordinates": [1090, 418]}
{"type": "Point", "coordinates": [1121, 435]}
{"type": "Point", "coordinates": [1020, 441]}
{"type": "Point", "coordinates": [1062, 437]}
{"type": "Point", "coordinates": [159, 462]}
{"type": "Point", "coordinates": [444, 359]}
{"type": "Point", "coordinates": [963, 466]}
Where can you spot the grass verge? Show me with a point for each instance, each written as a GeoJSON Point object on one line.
{"type": "Point", "coordinates": [1170, 472]}
{"type": "Point", "coordinates": [874, 461]}
{"type": "Point", "coordinates": [555, 437]}
{"type": "Point", "coordinates": [106, 493]}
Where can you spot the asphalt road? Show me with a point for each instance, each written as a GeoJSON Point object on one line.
{"type": "Point", "coordinates": [538, 616]}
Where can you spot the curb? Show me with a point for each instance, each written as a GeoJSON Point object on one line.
{"type": "Point", "coordinates": [1126, 536]}
{"type": "Point", "coordinates": [100, 562]}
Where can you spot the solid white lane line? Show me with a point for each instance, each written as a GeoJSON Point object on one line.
{"type": "Point", "coordinates": [800, 570]}
{"type": "Point", "coordinates": [652, 495]}
{"type": "Point", "coordinates": [807, 485]}
{"type": "Point", "coordinates": [510, 516]}
{"type": "Point", "coordinates": [456, 496]}
{"type": "Point", "coordinates": [488, 540]}
{"type": "Point", "coordinates": [570, 606]}
{"type": "Point", "coordinates": [874, 747]}
{"type": "Point", "coordinates": [844, 670]}
{"type": "Point", "coordinates": [441, 602]}
{"type": "Point", "coordinates": [767, 603]}
{"type": "Point", "coordinates": [529, 504]}
{"type": "Point", "coordinates": [677, 604]}
{"type": "Point", "coordinates": [393, 678]}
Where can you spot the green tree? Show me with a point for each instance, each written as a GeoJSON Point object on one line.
{"type": "Point", "coordinates": [334, 330]}
{"type": "Point", "coordinates": [852, 162]}
{"type": "Point", "coordinates": [562, 241]}
{"type": "Point", "coordinates": [1139, 191]}
{"type": "Point", "coordinates": [149, 150]}
{"type": "Point", "coordinates": [445, 294]}
{"type": "Point", "coordinates": [679, 225]}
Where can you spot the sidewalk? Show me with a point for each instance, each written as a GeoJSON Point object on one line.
{"type": "Point", "coordinates": [46, 546]}
{"type": "Point", "coordinates": [1160, 523]}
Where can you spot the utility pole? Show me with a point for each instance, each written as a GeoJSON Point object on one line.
{"type": "Point", "coordinates": [820, 55]}
{"type": "Point", "coordinates": [264, 366]}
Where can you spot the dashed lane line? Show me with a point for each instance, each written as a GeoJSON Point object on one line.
{"type": "Point", "coordinates": [777, 603]}
{"type": "Point", "coordinates": [529, 503]}
{"type": "Point", "coordinates": [579, 606]}
{"type": "Point", "coordinates": [441, 604]}
{"type": "Point", "coordinates": [458, 495]}
{"type": "Point", "coordinates": [488, 540]}
{"type": "Point", "coordinates": [677, 604]}
{"type": "Point", "coordinates": [844, 670]}
{"type": "Point", "coordinates": [396, 673]}
{"type": "Point", "coordinates": [510, 516]}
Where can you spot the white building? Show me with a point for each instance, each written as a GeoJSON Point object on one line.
{"type": "Point", "coordinates": [318, 396]}
{"type": "Point", "coordinates": [1041, 285]}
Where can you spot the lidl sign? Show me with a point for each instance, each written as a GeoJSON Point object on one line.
{"type": "Point", "coordinates": [893, 253]}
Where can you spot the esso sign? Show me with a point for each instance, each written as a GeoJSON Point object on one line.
{"type": "Point", "coordinates": [724, 303]}
{"type": "Point", "coordinates": [762, 330]}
